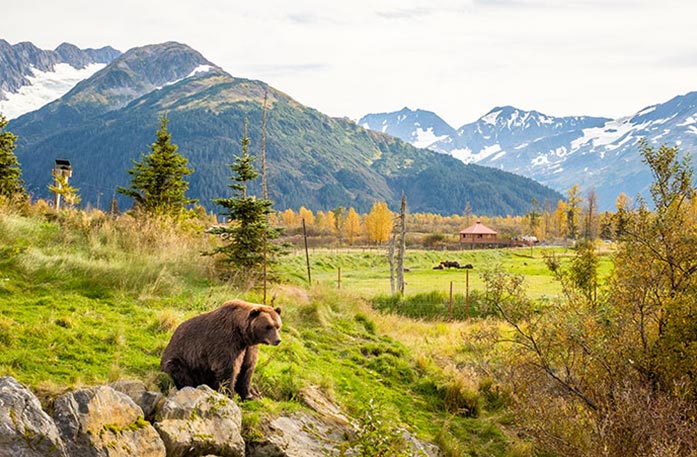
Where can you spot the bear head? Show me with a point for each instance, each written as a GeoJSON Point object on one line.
{"type": "Point", "coordinates": [265, 324]}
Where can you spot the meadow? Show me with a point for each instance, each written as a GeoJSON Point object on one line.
{"type": "Point", "coordinates": [87, 299]}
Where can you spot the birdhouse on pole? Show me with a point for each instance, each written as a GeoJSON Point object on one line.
{"type": "Point", "coordinates": [62, 171]}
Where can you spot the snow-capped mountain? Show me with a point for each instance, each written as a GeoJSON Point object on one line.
{"type": "Point", "coordinates": [593, 152]}
{"type": "Point", "coordinates": [511, 133]}
{"type": "Point", "coordinates": [420, 128]}
{"type": "Point", "coordinates": [31, 77]}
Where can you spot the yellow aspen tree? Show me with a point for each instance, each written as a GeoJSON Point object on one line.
{"type": "Point", "coordinates": [289, 218]}
{"type": "Point", "coordinates": [304, 213]}
{"type": "Point", "coordinates": [352, 227]}
{"type": "Point", "coordinates": [328, 223]}
{"type": "Point", "coordinates": [379, 222]}
{"type": "Point", "coordinates": [559, 220]}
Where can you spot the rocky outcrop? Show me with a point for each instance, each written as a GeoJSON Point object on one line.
{"type": "Point", "coordinates": [110, 421]}
{"type": "Point", "coordinates": [197, 422]}
{"type": "Point", "coordinates": [25, 429]}
{"type": "Point", "coordinates": [101, 421]}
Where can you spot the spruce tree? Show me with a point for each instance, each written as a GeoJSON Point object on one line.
{"type": "Point", "coordinates": [157, 185]}
{"type": "Point", "coordinates": [248, 225]}
{"type": "Point", "coordinates": [11, 184]}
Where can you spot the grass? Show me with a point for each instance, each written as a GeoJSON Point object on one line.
{"type": "Point", "coordinates": [85, 300]}
{"type": "Point", "coordinates": [366, 272]}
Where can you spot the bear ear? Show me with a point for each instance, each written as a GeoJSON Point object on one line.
{"type": "Point", "coordinates": [254, 313]}
{"type": "Point", "coordinates": [278, 310]}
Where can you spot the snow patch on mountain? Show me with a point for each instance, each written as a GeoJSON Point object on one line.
{"type": "Point", "coordinates": [425, 138]}
{"type": "Point", "coordinates": [419, 127]}
{"type": "Point", "coordinates": [194, 72]}
{"type": "Point", "coordinates": [45, 87]}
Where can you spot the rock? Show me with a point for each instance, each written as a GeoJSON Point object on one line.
{"type": "Point", "coordinates": [303, 434]}
{"type": "Point", "coordinates": [419, 447]}
{"type": "Point", "coordinates": [25, 429]}
{"type": "Point", "coordinates": [200, 421]}
{"type": "Point", "coordinates": [314, 398]}
{"type": "Point", "coordinates": [136, 390]}
{"type": "Point", "coordinates": [298, 435]}
{"type": "Point", "coordinates": [100, 421]}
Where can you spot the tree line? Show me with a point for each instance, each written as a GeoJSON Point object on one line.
{"type": "Point", "coordinates": [158, 189]}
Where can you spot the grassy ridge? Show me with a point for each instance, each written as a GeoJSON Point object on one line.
{"type": "Point", "coordinates": [85, 299]}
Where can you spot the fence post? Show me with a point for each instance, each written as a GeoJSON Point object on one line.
{"type": "Point", "coordinates": [467, 293]}
{"type": "Point", "coordinates": [307, 255]}
{"type": "Point", "coordinates": [451, 300]}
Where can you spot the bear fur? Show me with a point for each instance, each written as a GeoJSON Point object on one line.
{"type": "Point", "coordinates": [219, 348]}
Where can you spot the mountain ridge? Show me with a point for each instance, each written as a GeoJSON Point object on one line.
{"type": "Point", "coordinates": [597, 153]}
{"type": "Point", "coordinates": [31, 77]}
{"type": "Point", "coordinates": [314, 160]}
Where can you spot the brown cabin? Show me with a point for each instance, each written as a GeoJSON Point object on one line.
{"type": "Point", "coordinates": [478, 233]}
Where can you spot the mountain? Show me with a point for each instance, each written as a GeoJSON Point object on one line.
{"type": "Point", "coordinates": [594, 152]}
{"type": "Point", "coordinates": [420, 128]}
{"type": "Point", "coordinates": [31, 77]}
{"type": "Point", "coordinates": [108, 120]}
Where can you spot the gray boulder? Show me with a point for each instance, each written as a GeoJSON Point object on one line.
{"type": "Point", "coordinates": [138, 392]}
{"type": "Point", "coordinates": [100, 422]}
{"type": "Point", "coordinates": [298, 435]}
{"type": "Point", "coordinates": [25, 429]}
{"type": "Point", "coordinates": [197, 422]}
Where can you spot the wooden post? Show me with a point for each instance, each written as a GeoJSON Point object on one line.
{"type": "Point", "coordinates": [307, 254]}
{"type": "Point", "coordinates": [467, 293]}
{"type": "Point", "coordinates": [339, 279]}
{"type": "Point", "coordinates": [451, 301]}
{"type": "Point", "coordinates": [265, 192]}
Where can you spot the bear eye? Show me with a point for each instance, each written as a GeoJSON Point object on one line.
{"type": "Point", "coordinates": [269, 327]}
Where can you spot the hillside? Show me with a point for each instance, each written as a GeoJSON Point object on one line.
{"type": "Point", "coordinates": [86, 299]}
{"type": "Point", "coordinates": [108, 120]}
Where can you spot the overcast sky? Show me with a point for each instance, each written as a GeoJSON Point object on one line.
{"type": "Point", "coordinates": [458, 58]}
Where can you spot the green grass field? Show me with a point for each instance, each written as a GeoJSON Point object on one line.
{"type": "Point", "coordinates": [84, 302]}
{"type": "Point", "coordinates": [367, 272]}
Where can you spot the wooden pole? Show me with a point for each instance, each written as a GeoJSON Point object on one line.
{"type": "Point", "coordinates": [451, 300]}
{"type": "Point", "coordinates": [307, 254]}
{"type": "Point", "coordinates": [265, 192]}
{"type": "Point", "coordinates": [467, 293]}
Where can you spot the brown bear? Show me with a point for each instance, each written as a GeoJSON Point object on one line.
{"type": "Point", "coordinates": [219, 348]}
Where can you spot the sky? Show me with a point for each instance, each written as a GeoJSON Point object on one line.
{"type": "Point", "coordinates": [457, 58]}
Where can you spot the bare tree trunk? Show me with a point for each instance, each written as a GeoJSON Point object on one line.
{"type": "Point", "coordinates": [390, 259]}
{"type": "Point", "coordinates": [402, 244]}
{"type": "Point", "coordinates": [265, 192]}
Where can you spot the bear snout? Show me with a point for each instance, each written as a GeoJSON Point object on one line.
{"type": "Point", "coordinates": [276, 342]}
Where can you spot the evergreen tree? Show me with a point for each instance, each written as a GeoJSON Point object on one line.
{"type": "Point", "coordinates": [157, 184]}
{"type": "Point", "coordinates": [11, 184]}
{"type": "Point", "coordinates": [248, 225]}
